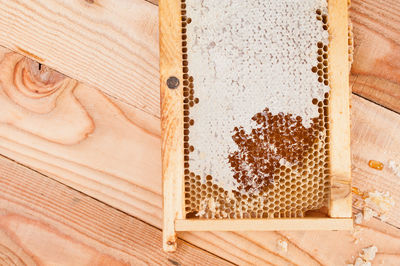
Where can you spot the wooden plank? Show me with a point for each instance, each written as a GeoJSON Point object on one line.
{"type": "Point", "coordinates": [45, 222]}
{"type": "Point", "coordinates": [304, 247]}
{"type": "Point", "coordinates": [375, 136]}
{"type": "Point", "coordinates": [375, 71]}
{"type": "Point", "coordinates": [171, 118]}
{"type": "Point", "coordinates": [376, 68]}
{"type": "Point", "coordinates": [118, 163]}
{"type": "Point", "coordinates": [110, 45]}
{"type": "Point", "coordinates": [121, 168]}
{"type": "Point", "coordinates": [83, 138]}
{"type": "Point", "coordinates": [339, 111]}
{"type": "Point", "coordinates": [303, 224]}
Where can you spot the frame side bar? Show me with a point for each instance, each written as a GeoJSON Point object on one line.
{"type": "Point", "coordinates": [171, 118]}
{"type": "Point", "coordinates": [340, 200]}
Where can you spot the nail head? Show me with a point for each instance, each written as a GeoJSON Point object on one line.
{"type": "Point", "coordinates": [172, 82]}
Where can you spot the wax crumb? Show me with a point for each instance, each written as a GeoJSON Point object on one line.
{"type": "Point", "coordinates": [357, 230]}
{"type": "Point", "coordinates": [358, 218]}
{"type": "Point", "coordinates": [382, 201]}
{"type": "Point", "coordinates": [395, 167]}
{"type": "Point", "coordinates": [365, 258]}
{"type": "Point", "coordinates": [360, 262]}
{"type": "Point", "coordinates": [375, 203]}
{"type": "Point", "coordinates": [282, 245]}
{"type": "Point", "coordinates": [369, 253]}
{"type": "Point", "coordinates": [368, 213]}
{"type": "Point", "coordinates": [203, 207]}
{"type": "Point", "coordinates": [383, 217]}
{"type": "Point", "coordinates": [211, 205]}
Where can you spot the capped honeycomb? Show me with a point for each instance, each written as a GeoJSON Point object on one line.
{"type": "Point", "coordinates": [256, 97]}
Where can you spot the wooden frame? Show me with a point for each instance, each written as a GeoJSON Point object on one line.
{"type": "Point", "coordinates": [172, 135]}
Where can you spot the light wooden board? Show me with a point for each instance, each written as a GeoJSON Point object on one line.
{"type": "Point", "coordinates": [104, 43]}
{"type": "Point", "coordinates": [375, 136]}
{"type": "Point", "coordinates": [108, 165]}
{"type": "Point", "coordinates": [376, 68]}
{"type": "Point", "coordinates": [375, 25]}
{"type": "Point", "coordinates": [101, 138]}
{"type": "Point", "coordinates": [77, 166]}
{"type": "Point", "coordinates": [304, 247]}
{"type": "Point", "coordinates": [43, 222]}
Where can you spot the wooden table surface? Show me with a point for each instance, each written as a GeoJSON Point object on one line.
{"type": "Point", "coordinates": [80, 177]}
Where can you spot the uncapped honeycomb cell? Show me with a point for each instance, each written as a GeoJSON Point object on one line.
{"type": "Point", "coordinates": [293, 189]}
{"type": "Point", "coordinates": [350, 42]}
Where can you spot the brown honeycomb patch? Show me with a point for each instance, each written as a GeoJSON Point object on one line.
{"type": "Point", "coordinates": [260, 151]}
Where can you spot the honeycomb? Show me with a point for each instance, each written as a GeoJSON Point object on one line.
{"type": "Point", "coordinates": [280, 165]}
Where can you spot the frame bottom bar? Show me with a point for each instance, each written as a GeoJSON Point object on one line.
{"type": "Point", "coordinates": [299, 224]}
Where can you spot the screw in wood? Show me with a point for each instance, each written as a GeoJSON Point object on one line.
{"type": "Point", "coordinates": [172, 82]}
{"type": "Point", "coordinates": [170, 243]}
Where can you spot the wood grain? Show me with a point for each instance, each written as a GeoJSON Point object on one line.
{"type": "Point", "coordinates": [83, 138]}
{"type": "Point", "coordinates": [375, 136]}
{"type": "Point", "coordinates": [304, 247]}
{"type": "Point", "coordinates": [376, 67]}
{"type": "Point", "coordinates": [339, 111]}
{"type": "Point", "coordinates": [45, 222]}
{"type": "Point", "coordinates": [171, 119]}
{"type": "Point", "coordinates": [109, 44]}
{"type": "Point", "coordinates": [118, 163]}
{"type": "Point", "coordinates": [375, 72]}
{"type": "Point", "coordinates": [81, 230]}
{"type": "Point", "coordinates": [112, 174]}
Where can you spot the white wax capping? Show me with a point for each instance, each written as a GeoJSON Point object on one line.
{"type": "Point", "coordinates": [246, 56]}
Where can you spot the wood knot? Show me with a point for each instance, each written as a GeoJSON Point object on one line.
{"type": "Point", "coordinates": [41, 101]}
{"type": "Point", "coordinates": [42, 74]}
{"type": "Point", "coordinates": [30, 84]}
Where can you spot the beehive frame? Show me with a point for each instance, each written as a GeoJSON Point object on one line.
{"type": "Point", "coordinates": [172, 125]}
